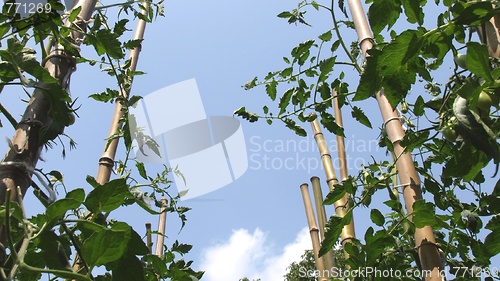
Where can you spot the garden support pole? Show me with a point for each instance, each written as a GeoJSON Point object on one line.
{"type": "Point", "coordinates": [313, 231]}
{"type": "Point", "coordinates": [410, 183]}
{"type": "Point", "coordinates": [341, 206]}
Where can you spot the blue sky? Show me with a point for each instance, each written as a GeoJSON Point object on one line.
{"type": "Point", "coordinates": [255, 226]}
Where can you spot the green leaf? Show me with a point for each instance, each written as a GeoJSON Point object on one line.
{"type": "Point", "coordinates": [325, 67]}
{"type": "Point", "coordinates": [108, 96]}
{"type": "Point", "coordinates": [370, 81]}
{"type": "Point", "coordinates": [74, 13]}
{"type": "Point", "coordinates": [333, 229]}
{"type": "Point", "coordinates": [419, 107]}
{"type": "Point", "coordinates": [105, 246]}
{"type": "Point", "coordinates": [72, 201]}
{"type": "Point", "coordinates": [285, 100]}
{"type": "Point", "coordinates": [492, 243]}
{"type": "Point", "coordinates": [328, 121]}
{"type": "Point", "coordinates": [271, 89]}
{"type": "Point", "coordinates": [327, 36]}
{"type": "Point", "coordinates": [477, 60]}
{"type": "Point", "coordinates": [142, 170]}
{"type": "Point", "coordinates": [472, 13]}
{"type": "Point", "coordinates": [376, 245]}
{"type": "Point", "coordinates": [129, 268]}
{"type": "Point", "coordinates": [132, 44]}
{"type": "Point", "coordinates": [335, 195]}
{"type": "Point", "coordinates": [360, 116]}
{"type": "Point", "coordinates": [107, 197]}
{"type": "Point", "coordinates": [104, 41]}
{"type": "Point", "coordinates": [383, 13]}
{"type": "Point", "coordinates": [424, 215]}
{"type": "Point", "coordinates": [377, 217]}
{"type": "Point", "coordinates": [120, 27]}
{"type": "Point", "coordinates": [91, 180]}
{"type": "Point", "coordinates": [243, 113]}
{"type": "Point", "coordinates": [291, 124]}
{"type": "Point", "coordinates": [285, 15]}
{"type": "Point", "coordinates": [413, 11]}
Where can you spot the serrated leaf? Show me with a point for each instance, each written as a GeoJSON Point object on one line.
{"type": "Point", "coordinates": [107, 197]}
{"type": "Point", "coordinates": [477, 60]}
{"type": "Point", "coordinates": [333, 229]}
{"type": "Point", "coordinates": [383, 13]}
{"type": "Point", "coordinates": [413, 11]}
{"type": "Point", "coordinates": [142, 170]}
{"type": "Point", "coordinates": [242, 112]}
{"type": "Point", "coordinates": [370, 81]}
{"type": "Point", "coordinates": [291, 124]}
{"type": "Point", "coordinates": [472, 13]}
{"type": "Point", "coordinates": [492, 242]}
{"type": "Point", "coordinates": [271, 89]}
{"type": "Point", "coordinates": [335, 195]}
{"type": "Point", "coordinates": [360, 116]}
{"type": "Point", "coordinates": [72, 201]}
{"type": "Point", "coordinates": [419, 106]}
{"type": "Point", "coordinates": [105, 246]}
{"type": "Point", "coordinates": [285, 100]}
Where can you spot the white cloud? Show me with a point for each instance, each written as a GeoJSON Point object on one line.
{"type": "Point", "coordinates": [250, 255]}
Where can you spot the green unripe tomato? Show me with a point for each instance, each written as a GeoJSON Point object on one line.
{"type": "Point", "coordinates": [71, 117]}
{"type": "Point", "coordinates": [449, 133]}
{"type": "Point", "coordinates": [484, 101]}
{"type": "Point", "coordinates": [460, 60]}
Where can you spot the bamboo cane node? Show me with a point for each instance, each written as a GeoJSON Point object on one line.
{"type": "Point", "coordinates": [326, 155]}
{"type": "Point", "coordinates": [106, 161]}
{"type": "Point", "coordinates": [347, 239]}
{"type": "Point", "coordinates": [392, 119]}
{"type": "Point", "coordinates": [366, 39]}
{"type": "Point", "coordinates": [61, 55]}
{"type": "Point", "coordinates": [426, 243]}
{"type": "Point", "coordinates": [334, 179]}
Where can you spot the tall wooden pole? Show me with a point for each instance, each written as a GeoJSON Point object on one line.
{"type": "Point", "coordinates": [107, 160]}
{"type": "Point", "coordinates": [424, 237]}
{"type": "Point", "coordinates": [162, 222]}
{"type": "Point", "coordinates": [149, 239]}
{"type": "Point", "coordinates": [313, 231]}
{"type": "Point", "coordinates": [344, 172]}
{"type": "Point", "coordinates": [321, 214]}
{"type": "Point", "coordinates": [341, 205]}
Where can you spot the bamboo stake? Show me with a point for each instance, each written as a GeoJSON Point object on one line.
{"type": "Point", "coordinates": [340, 140]}
{"type": "Point", "coordinates": [424, 237]}
{"type": "Point", "coordinates": [149, 239]}
{"type": "Point", "coordinates": [341, 205]}
{"type": "Point", "coordinates": [321, 214]}
{"type": "Point", "coordinates": [313, 231]}
{"type": "Point", "coordinates": [107, 160]}
{"type": "Point", "coordinates": [160, 238]}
